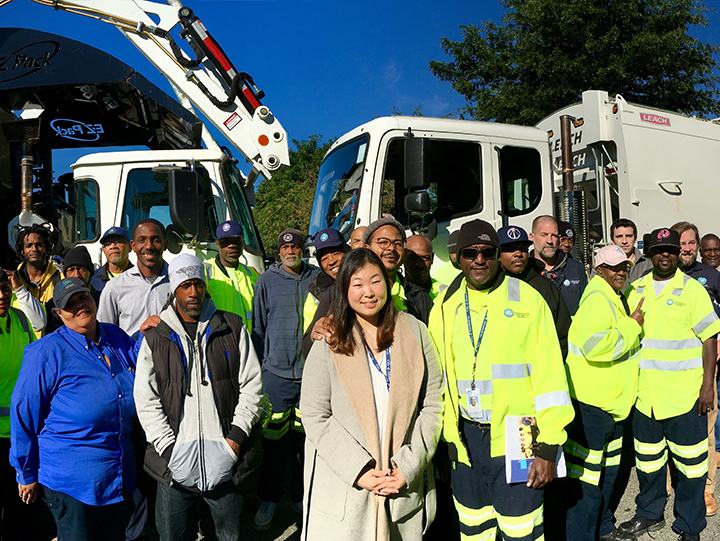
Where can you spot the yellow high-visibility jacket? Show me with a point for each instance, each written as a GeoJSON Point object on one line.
{"type": "Point", "coordinates": [603, 351]}
{"type": "Point", "coordinates": [519, 364]}
{"type": "Point", "coordinates": [232, 290]}
{"type": "Point", "coordinates": [677, 322]}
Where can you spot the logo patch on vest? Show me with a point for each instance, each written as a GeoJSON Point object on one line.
{"type": "Point", "coordinates": [508, 313]}
{"type": "Point", "coordinates": [566, 282]}
{"type": "Point", "coordinates": [702, 280]}
{"type": "Point", "coordinates": [670, 302]}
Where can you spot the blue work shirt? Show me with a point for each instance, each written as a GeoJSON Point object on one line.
{"type": "Point", "coordinates": [72, 414]}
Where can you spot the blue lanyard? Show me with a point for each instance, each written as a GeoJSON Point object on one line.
{"type": "Point", "coordinates": [470, 332]}
{"type": "Point", "coordinates": [387, 365]}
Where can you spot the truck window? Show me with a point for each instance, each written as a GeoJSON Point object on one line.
{"type": "Point", "coordinates": [84, 199]}
{"type": "Point", "coordinates": [455, 175]}
{"type": "Point", "coordinates": [520, 179]}
{"type": "Point", "coordinates": [239, 209]}
{"type": "Point", "coordinates": [146, 196]}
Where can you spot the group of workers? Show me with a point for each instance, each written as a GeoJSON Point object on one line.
{"type": "Point", "coordinates": [209, 356]}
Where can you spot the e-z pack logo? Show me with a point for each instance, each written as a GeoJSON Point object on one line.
{"type": "Point", "coordinates": [27, 60]}
{"type": "Point", "coordinates": [77, 131]}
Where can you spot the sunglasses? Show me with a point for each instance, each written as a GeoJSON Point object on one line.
{"type": "Point", "coordinates": [472, 253]}
{"type": "Point", "coordinates": [617, 268]}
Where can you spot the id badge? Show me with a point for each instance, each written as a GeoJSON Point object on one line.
{"type": "Point", "coordinates": [474, 407]}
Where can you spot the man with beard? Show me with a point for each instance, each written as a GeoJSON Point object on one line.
{"type": "Point", "coordinates": [141, 291]}
{"type": "Point", "coordinates": [231, 284]}
{"type": "Point", "coordinates": [418, 261]}
{"type": "Point", "coordinates": [200, 411]}
{"type": "Point", "coordinates": [277, 335]}
{"type": "Point", "coordinates": [386, 237]}
{"type": "Point", "coordinates": [516, 262]}
{"type": "Point", "coordinates": [568, 274]}
{"type": "Point", "coordinates": [116, 249]}
{"type": "Point", "coordinates": [675, 390]}
{"type": "Point", "coordinates": [709, 277]}
{"type": "Point", "coordinates": [35, 271]}
{"type": "Point", "coordinates": [710, 250]}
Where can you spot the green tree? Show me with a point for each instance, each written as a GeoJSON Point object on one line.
{"type": "Point", "coordinates": [286, 199]}
{"type": "Point", "coordinates": [547, 52]}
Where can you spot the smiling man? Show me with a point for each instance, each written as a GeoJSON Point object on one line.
{"type": "Point", "coordinates": [231, 283]}
{"type": "Point", "coordinates": [675, 390]}
{"type": "Point", "coordinates": [710, 250]}
{"type": "Point", "coordinates": [141, 291]}
{"type": "Point", "coordinates": [500, 354]}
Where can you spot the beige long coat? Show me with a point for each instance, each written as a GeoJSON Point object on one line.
{"type": "Point", "coordinates": [340, 423]}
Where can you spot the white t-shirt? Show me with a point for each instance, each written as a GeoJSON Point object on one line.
{"type": "Point", "coordinates": [381, 394]}
{"type": "Point", "coordinates": [660, 285]}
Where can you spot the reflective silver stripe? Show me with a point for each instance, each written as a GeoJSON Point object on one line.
{"type": "Point", "coordinates": [510, 371]}
{"type": "Point", "coordinates": [671, 345]}
{"type": "Point", "coordinates": [705, 322]}
{"type": "Point", "coordinates": [671, 366]}
{"type": "Point", "coordinates": [486, 416]}
{"type": "Point", "coordinates": [628, 355]}
{"type": "Point", "coordinates": [5, 412]}
{"type": "Point", "coordinates": [677, 292]}
{"type": "Point", "coordinates": [685, 279]}
{"type": "Point", "coordinates": [640, 290]}
{"type": "Point", "coordinates": [549, 400]}
{"type": "Point", "coordinates": [612, 306]}
{"type": "Point", "coordinates": [442, 288]}
{"type": "Point", "coordinates": [575, 350]}
{"type": "Point", "coordinates": [248, 315]}
{"type": "Point", "coordinates": [619, 346]}
{"type": "Point", "coordinates": [209, 270]}
{"type": "Point", "coordinates": [513, 289]}
{"type": "Point", "coordinates": [594, 340]}
{"type": "Point", "coordinates": [483, 386]}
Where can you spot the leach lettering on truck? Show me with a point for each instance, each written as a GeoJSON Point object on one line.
{"type": "Point", "coordinates": [655, 119]}
{"type": "Point", "coordinates": [75, 130]}
{"type": "Point", "coordinates": [27, 60]}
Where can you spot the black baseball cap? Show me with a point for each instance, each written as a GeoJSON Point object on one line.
{"type": "Point", "coordinates": [66, 288]}
{"type": "Point", "coordinates": [664, 238]}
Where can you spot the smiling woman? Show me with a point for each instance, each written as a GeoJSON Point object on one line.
{"type": "Point", "coordinates": [81, 457]}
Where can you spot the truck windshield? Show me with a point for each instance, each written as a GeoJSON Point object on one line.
{"type": "Point", "coordinates": [338, 188]}
{"type": "Point", "coordinates": [239, 209]}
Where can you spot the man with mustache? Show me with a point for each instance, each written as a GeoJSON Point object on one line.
{"type": "Point", "coordinates": [675, 390]}
{"type": "Point", "coordinates": [568, 274]}
{"type": "Point", "coordinates": [277, 334]}
{"type": "Point", "coordinates": [516, 262]}
{"type": "Point", "coordinates": [231, 284]}
{"type": "Point", "coordinates": [198, 394]}
{"type": "Point", "coordinates": [141, 291]}
{"type": "Point", "coordinates": [419, 257]}
{"type": "Point", "coordinates": [116, 249]}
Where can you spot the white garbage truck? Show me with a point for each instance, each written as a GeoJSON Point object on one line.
{"type": "Point", "coordinates": [623, 160]}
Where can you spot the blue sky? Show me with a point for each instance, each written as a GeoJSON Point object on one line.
{"type": "Point", "coordinates": [325, 66]}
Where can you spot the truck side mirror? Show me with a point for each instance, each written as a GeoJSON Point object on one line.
{"type": "Point", "coordinates": [187, 206]}
{"type": "Point", "coordinates": [417, 202]}
{"type": "Point", "coordinates": [417, 176]}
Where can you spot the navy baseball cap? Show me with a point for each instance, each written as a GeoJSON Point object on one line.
{"type": "Point", "coordinates": [229, 229]}
{"type": "Point", "coordinates": [66, 288]}
{"type": "Point", "coordinates": [329, 238]}
{"type": "Point", "coordinates": [511, 234]}
{"type": "Point", "coordinates": [114, 232]}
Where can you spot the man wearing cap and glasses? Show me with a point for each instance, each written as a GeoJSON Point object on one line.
{"type": "Point", "coordinates": [116, 249]}
{"type": "Point", "coordinates": [516, 262]}
{"type": "Point", "coordinates": [602, 367]}
{"type": "Point", "coordinates": [277, 335]}
{"type": "Point", "coordinates": [675, 389]}
{"type": "Point", "coordinates": [231, 284]}
{"type": "Point", "coordinates": [514, 368]}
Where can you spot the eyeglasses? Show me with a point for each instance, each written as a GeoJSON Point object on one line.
{"type": "Point", "coordinates": [384, 244]}
{"type": "Point", "coordinates": [625, 267]}
{"type": "Point", "coordinates": [472, 253]}
{"type": "Point", "coordinates": [111, 242]}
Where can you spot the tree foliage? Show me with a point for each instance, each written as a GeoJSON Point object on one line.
{"type": "Point", "coordinates": [547, 52]}
{"type": "Point", "coordinates": [286, 199]}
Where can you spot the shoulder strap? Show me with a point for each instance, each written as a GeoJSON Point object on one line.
{"type": "Point", "coordinates": [24, 323]}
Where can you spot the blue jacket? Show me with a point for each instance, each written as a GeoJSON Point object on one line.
{"type": "Point", "coordinates": [570, 278]}
{"type": "Point", "coordinates": [71, 415]}
{"type": "Point", "coordinates": [277, 329]}
{"type": "Point", "coordinates": [709, 277]}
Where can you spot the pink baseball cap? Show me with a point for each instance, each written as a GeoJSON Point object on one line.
{"type": "Point", "coordinates": [611, 255]}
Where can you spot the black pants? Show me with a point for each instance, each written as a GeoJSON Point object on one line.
{"type": "Point", "coordinates": [77, 521]}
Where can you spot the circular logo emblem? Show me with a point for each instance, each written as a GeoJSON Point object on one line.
{"type": "Point", "coordinates": [226, 227]}
{"type": "Point", "coordinates": [566, 282]}
{"type": "Point", "coordinates": [323, 237]}
{"type": "Point", "coordinates": [663, 234]}
{"type": "Point", "coordinates": [670, 302]}
{"type": "Point", "coordinates": [112, 230]}
{"type": "Point", "coordinates": [508, 313]}
{"type": "Point", "coordinates": [287, 237]}
{"type": "Point", "coordinates": [513, 233]}
{"type": "Point", "coordinates": [569, 233]}
{"type": "Point", "coordinates": [702, 280]}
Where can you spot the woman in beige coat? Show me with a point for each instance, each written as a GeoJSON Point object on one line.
{"type": "Point", "coordinates": [371, 404]}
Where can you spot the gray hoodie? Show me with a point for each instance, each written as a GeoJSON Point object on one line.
{"type": "Point", "coordinates": [201, 458]}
